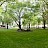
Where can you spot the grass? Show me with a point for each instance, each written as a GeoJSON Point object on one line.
{"type": "Point", "coordinates": [10, 38]}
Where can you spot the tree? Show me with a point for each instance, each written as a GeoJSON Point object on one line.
{"type": "Point", "coordinates": [27, 19]}
{"type": "Point", "coordinates": [43, 9]}
{"type": "Point", "coordinates": [7, 19]}
{"type": "Point", "coordinates": [6, 15]}
{"type": "Point", "coordinates": [17, 9]}
{"type": "Point", "coordinates": [39, 19]}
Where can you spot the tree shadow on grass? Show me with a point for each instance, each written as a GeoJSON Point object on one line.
{"type": "Point", "coordinates": [22, 30]}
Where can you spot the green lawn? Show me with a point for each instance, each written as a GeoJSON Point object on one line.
{"type": "Point", "coordinates": [10, 38]}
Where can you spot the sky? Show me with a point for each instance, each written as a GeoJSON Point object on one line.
{"type": "Point", "coordinates": [4, 5]}
{"type": "Point", "coordinates": [27, 0]}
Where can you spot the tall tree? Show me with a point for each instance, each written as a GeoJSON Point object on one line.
{"type": "Point", "coordinates": [27, 19]}
{"type": "Point", "coordinates": [17, 9]}
{"type": "Point", "coordinates": [44, 8]}
{"type": "Point", "coordinates": [7, 19]}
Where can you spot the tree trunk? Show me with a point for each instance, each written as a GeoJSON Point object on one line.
{"type": "Point", "coordinates": [19, 22]}
{"type": "Point", "coordinates": [38, 25]}
{"type": "Point", "coordinates": [29, 26]}
{"type": "Point", "coordinates": [7, 25]}
{"type": "Point", "coordinates": [19, 25]}
{"type": "Point", "coordinates": [44, 23]}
